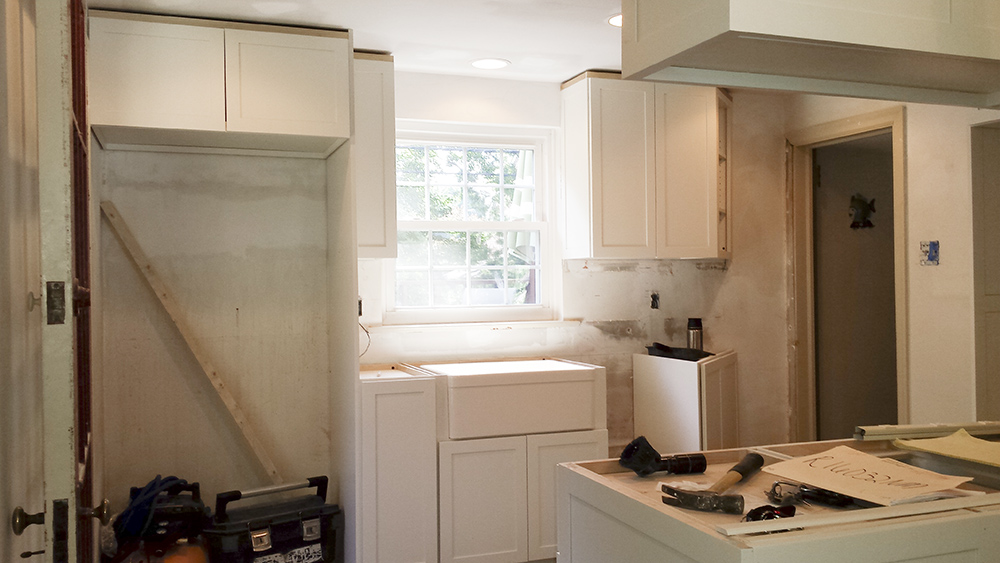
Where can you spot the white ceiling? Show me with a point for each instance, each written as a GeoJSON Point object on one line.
{"type": "Point", "coordinates": [545, 40]}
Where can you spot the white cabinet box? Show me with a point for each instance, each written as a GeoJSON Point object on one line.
{"type": "Point", "coordinates": [934, 51]}
{"type": "Point", "coordinates": [646, 173]}
{"type": "Point", "coordinates": [181, 82]}
{"type": "Point", "coordinates": [684, 406]}
{"type": "Point", "coordinates": [398, 477]}
{"type": "Point", "coordinates": [373, 155]}
{"type": "Point", "coordinates": [497, 495]}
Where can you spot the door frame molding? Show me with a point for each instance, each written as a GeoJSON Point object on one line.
{"type": "Point", "coordinates": [799, 255]}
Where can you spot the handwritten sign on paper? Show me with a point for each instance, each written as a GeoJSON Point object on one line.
{"type": "Point", "coordinates": [863, 476]}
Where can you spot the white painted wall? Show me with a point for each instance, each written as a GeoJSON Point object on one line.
{"type": "Point", "coordinates": [939, 200]}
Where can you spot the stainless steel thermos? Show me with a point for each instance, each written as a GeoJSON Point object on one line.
{"type": "Point", "coordinates": [695, 334]}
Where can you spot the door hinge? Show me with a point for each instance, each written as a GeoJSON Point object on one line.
{"type": "Point", "coordinates": [55, 302]}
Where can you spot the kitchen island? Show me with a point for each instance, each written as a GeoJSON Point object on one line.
{"type": "Point", "coordinates": [607, 513]}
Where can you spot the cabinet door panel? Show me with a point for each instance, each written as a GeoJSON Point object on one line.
{"type": "Point", "coordinates": [483, 500]}
{"type": "Point", "coordinates": [149, 74]}
{"type": "Point", "coordinates": [398, 471]}
{"type": "Point", "coordinates": [687, 166]}
{"type": "Point", "coordinates": [265, 70]}
{"type": "Point", "coordinates": [720, 412]}
{"type": "Point", "coordinates": [373, 163]}
{"type": "Point", "coordinates": [545, 451]}
{"type": "Point", "coordinates": [623, 168]}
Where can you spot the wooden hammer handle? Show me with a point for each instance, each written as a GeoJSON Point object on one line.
{"type": "Point", "coordinates": [750, 463]}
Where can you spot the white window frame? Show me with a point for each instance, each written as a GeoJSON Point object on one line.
{"type": "Point", "coordinates": [542, 140]}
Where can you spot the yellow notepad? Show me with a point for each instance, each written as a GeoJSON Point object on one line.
{"type": "Point", "coordinates": [959, 445]}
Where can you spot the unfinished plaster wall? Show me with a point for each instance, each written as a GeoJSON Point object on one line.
{"type": "Point", "coordinates": [241, 242]}
{"type": "Point", "coordinates": [941, 345]}
{"type": "Point", "coordinates": [606, 303]}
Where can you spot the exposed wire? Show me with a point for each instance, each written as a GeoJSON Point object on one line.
{"type": "Point", "coordinates": [369, 335]}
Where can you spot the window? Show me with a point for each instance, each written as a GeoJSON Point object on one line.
{"type": "Point", "coordinates": [470, 232]}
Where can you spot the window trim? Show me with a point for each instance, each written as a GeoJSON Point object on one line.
{"type": "Point", "coordinates": [543, 141]}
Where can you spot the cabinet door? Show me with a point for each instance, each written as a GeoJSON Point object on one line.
{"type": "Point", "coordinates": [610, 169]}
{"type": "Point", "coordinates": [720, 411]}
{"type": "Point", "coordinates": [398, 471]}
{"type": "Point", "coordinates": [157, 75]}
{"type": "Point", "coordinates": [687, 207]}
{"type": "Point", "coordinates": [545, 451]}
{"type": "Point", "coordinates": [483, 496]}
{"type": "Point", "coordinates": [373, 157]}
{"type": "Point", "coordinates": [287, 83]}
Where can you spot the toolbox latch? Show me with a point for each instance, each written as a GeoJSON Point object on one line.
{"type": "Point", "coordinates": [260, 540]}
{"type": "Point", "coordinates": [311, 530]}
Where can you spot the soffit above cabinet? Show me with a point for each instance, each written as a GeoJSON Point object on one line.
{"type": "Point", "coordinates": [931, 51]}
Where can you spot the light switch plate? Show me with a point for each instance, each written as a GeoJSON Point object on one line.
{"type": "Point", "coordinates": [930, 253]}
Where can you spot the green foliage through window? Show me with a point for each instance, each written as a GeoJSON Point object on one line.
{"type": "Point", "coordinates": [467, 234]}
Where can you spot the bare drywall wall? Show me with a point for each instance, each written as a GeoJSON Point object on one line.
{"type": "Point", "coordinates": [242, 244]}
{"type": "Point", "coordinates": [939, 207]}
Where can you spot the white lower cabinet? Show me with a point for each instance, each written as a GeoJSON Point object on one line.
{"type": "Point", "coordinates": [398, 471]}
{"type": "Point", "coordinates": [497, 495]}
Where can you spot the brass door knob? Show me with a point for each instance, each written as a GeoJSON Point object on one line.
{"type": "Point", "coordinates": [102, 512]}
{"type": "Point", "coordinates": [21, 520]}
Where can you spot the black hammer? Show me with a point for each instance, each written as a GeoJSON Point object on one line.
{"type": "Point", "coordinates": [712, 499]}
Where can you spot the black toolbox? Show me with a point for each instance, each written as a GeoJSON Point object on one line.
{"type": "Point", "coordinates": [300, 530]}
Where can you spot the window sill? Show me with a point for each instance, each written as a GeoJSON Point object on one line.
{"type": "Point", "coordinates": [475, 326]}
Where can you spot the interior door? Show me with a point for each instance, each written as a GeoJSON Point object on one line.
{"type": "Point", "coordinates": [21, 312]}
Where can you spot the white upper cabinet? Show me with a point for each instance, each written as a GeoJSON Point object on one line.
{"type": "Point", "coordinates": [646, 173]}
{"type": "Point", "coordinates": [931, 51]}
{"type": "Point", "coordinates": [373, 150]}
{"type": "Point", "coordinates": [287, 83]}
{"type": "Point", "coordinates": [610, 164]}
{"type": "Point", "coordinates": [150, 74]}
{"type": "Point", "coordinates": [181, 82]}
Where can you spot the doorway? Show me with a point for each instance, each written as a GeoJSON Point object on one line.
{"type": "Point", "coordinates": [807, 312]}
{"type": "Point", "coordinates": [854, 306]}
{"type": "Point", "coordinates": [986, 267]}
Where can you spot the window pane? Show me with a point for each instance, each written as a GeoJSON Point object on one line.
{"type": "Point", "coordinates": [410, 164]}
{"type": "Point", "coordinates": [486, 248]}
{"type": "Point", "coordinates": [523, 286]}
{"type": "Point", "coordinates": [519, 204]}
{"type": "Point", "coordinates": [522, 247]}
{"type": "Point", "coordinates": [445, 165]}
{"type": "Point", "coordinates": [448, 248]}
{"type": "Point", "coordinates": [487, 287]}
{"type": "Point", "coordinates": [484, 166]}
{"type": "Point", "coordinates": [484, 204]}
{"type": "Point", "coordinates": [411, 204]}
{"type": "Point", "coordinates": [412, 249]}
{"type": "Point", "coordinates": [449, 288]}
{"type": "Point", "coordinates": [412, 288]}
{"type": "Point", "coordinates": [519, 167]}
{"type": "Point", "coordinates": [445, 203]}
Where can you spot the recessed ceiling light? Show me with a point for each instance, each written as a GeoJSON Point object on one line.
{"type": "Point", "coordinates": [490, 64]}
{"type": "Point", "coordinates": [615, 20]}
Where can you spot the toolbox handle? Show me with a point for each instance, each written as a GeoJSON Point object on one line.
{"type": "Point", "coordinates": [222, 499]}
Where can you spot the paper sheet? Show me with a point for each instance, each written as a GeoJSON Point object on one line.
{"type": "Point", "coordinates": [863, 476]}
{"type": "Point", "coordinates": [959, 445]}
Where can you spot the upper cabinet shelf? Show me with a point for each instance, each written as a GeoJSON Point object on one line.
{"type": "Point", "coordinates": [178, 82]}
{"type": "Point", "coordinates": [933, 51]}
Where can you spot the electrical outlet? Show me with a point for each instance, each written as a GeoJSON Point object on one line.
{"type": "Point", "coordinates": [930, 251]}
